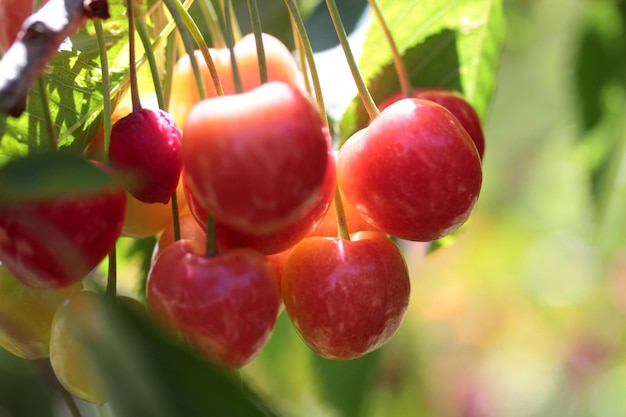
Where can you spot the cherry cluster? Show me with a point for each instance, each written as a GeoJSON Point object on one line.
{"type": "Point", "coordinates": [267, 215]}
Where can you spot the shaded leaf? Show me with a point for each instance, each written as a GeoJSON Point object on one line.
{"type": "Point", "coordinates": [146, 373]}
{"type": "Point", "coordinates": [48, 175]}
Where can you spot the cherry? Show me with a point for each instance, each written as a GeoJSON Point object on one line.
{"type": "Point", "coordinates": [225, 306]}
{"type": "Point", "coordinates": [258, 160]}
{"type": "Point", "coordinates": [458, 106]}
{"type": "Point", "coordinates": [57, 242]}
{"type": "Point", "coordinates": [280, 240]}
{"type": "Point", "coordinates": [146, 146]}
{"type": "Point", "coordinates": [280, 63]}
{"type": "Point", "coordinates": [68, 353]}
{"type": "Point", "coordinates": [148, 219]}
{"type": "Point", "coordinates": [26, 315]}
{"type": "Point", "coordinates": [345, 297]}
{"type": "Point", "coordinates": [414, 172]}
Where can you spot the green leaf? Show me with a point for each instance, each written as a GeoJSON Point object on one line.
{"type": "Point", "coordinates": [454, 44]}
{"type": "Point", "coordinates": [74, 87]}
{"type": "Point", "coordinates": [48, 175]}
{"type": "Point", "coordinates": [146, 373]}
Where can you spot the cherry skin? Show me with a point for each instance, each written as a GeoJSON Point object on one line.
{"type": "Point", "coordinates": [224, 306]}
{"type": "Point", "coordinates": [280, 63]}
{"type": "Point", "coordinates": [274, 242]}
{"type": "Point", "coordinates": [345, 297]}
{"type": "Point", "coordinates": [458, 106]}
{"type": "Point", "coordinates": [57, 242]}
{"type": "Point", "coordinates": [146, 146]}
{"type": "Point", "coordinates": [148, 219]}
{"type": "Point", "coordinates": [414, 172]}
{"type": "Point", "coordinates": [190, 229]}
{"type": "Point", "coordinates": [258, 160]}
{"type": "Point", "coordinates": [26, 315]}
{"type": "Point", "coordinates": [68, 355]}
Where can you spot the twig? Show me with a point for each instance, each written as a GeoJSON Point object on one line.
{"type": "Point", "coordinates": [37, 44]}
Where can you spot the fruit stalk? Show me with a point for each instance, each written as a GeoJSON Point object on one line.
{"type": "Point", "coordinates": [106, 85]}
{"type": "Point", "coordinates": [366, 97]}
{"type": "Point", "coordinates": [403, 76]}
{"type": "Point", "coordinates": [255, 19]}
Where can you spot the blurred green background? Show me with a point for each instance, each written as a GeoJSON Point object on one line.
{"type": "Point", "coordinates": [522, 315]}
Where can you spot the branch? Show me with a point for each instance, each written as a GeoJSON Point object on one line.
{"type": "Point", "coordinates": [37, 43]}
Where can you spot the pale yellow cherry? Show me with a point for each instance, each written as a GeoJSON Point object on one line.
{"type": "Point", "coordinates": [26, 315]}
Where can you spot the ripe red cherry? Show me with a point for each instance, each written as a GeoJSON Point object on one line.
{"type": "Point", "coordinates": [225, 306]}
{"type": "Point", "coordinates": [57, 242]}
{"type": "Point", "coordinates": [280, 240]}
{"type": "Point", "coordinates": [414, 172]}
{"type": "Point", "coordinates": [257, 161]}
{"type": "Point", "coordinates": [457, 105]}
{"type": "Point", "coordinates": [345, 297]}
{"type": "Point", "coordinates": [146, 146]}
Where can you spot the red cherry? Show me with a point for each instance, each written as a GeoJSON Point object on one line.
{"type": "Point", "coordinates": [457, 105]}
{"type": "Point", "coordinates": [345, 297]}
{"type": "Point", "coordinates": [258, 160]}
{"type": "Point", "coordinates": [225, 306]}
{"type": "Point", "coordinates": [414, 172]}
{"type": "Point", "coordinates": [55, 243]}
{"type": "Point", "coordinates": [146, 146]}
{"type": "Point", "coordinates": [280, 240]}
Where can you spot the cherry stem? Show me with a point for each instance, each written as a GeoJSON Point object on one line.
{"type": "Point", "coordinates": [193, 31]}
{"type": "Point", "coordinates": [111, 288]}
{"type": "Point", "coordinates": [175, 216]}
{"type": "Point", "coordinates": [106, 84]}
{"type": "Point", "coordinates": [142, 31]}
{"type": "Point", "coordinates": [366, 97]}
{"type": "Point", "coordinates": [211, 239]}
{"type": "Point", "coordinates": [308, 50]}
{"type": "Point", "coordinates": [255, 19]}
{"type": "Point", "coordinates": [134, 87]}
{"type": "Point", "coordinates": [52, 134]}
{"type": "Point", "coordinates": [172, 7]}
{"type": "Point", "coordinates": [171, 49]}
{"type": "Point", "coordinates": [301, 57]}
{"type": "Point", "coordinates": [403, 75]}
{"type": "Point", "coordinates": [342, 224]}
{"type": "Point", "coordinates": [212, 22]}
{"type": "Point", "coordinates": [46, 371]}
{"type": "Point", "coordinates": [230, 42]}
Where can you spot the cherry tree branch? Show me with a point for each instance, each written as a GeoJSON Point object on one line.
{"type": "Point", "coordinates": [37, 43]}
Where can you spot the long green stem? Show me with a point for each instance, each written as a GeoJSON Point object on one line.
{"type": "Point", "coordinates": [212, 21]}
{"type": "Point", "coordinates": [308, 50]}
{"type": "Point", "coordinates": [170, 62]}
{"type": "Point", "coordinates": [403, 76]}
{"type": "Point", "coordinates": [52, 134]}
{"type": "Point", "coordinates": [106, 84]}
{"type": "Point", "coordinates": [134, 85]}
{"type": "Point", "coordinates": [366, 97]}
{"type": "Point", "coordinates": [111, 289]}
{"type": "Point", "coordinates": [142, 31]}
{"type": "Point", "coordinates": [255, 19]}
{"type": "Point", "coordinates": [230, 43]}
{"type": "Point", "coordinates": [192, 31]}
